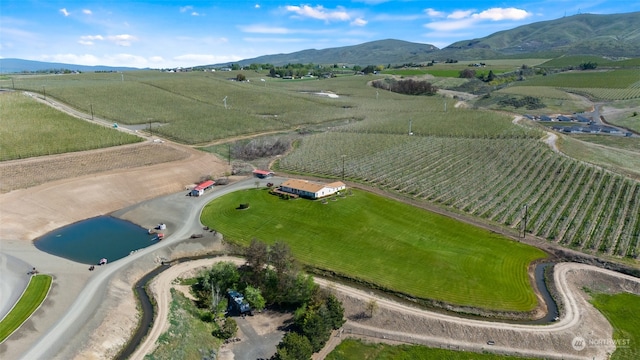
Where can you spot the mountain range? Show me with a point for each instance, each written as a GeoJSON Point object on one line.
{"type": "Point", "coordinates": [612, 35]}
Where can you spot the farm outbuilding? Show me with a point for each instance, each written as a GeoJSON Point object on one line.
{"type": "Point", "coordinates": [202, 187]}
{"type": "Point", "coordinates": [262, 174]}
{"type": "Point", "coordinates": [310, 189]}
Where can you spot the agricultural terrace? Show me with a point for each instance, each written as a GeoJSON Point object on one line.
{"type": "Point", "coordinates": [569, 202]}
{"type": "Point", "coordinates": [387, 243]}
{"type": "Point", "coordinates": [33, 296]}
{"type": "Point", "coordinates": [30, 128]}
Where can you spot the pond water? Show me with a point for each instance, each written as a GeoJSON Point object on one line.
{"type": "Point", "coordinates": [90, 240]}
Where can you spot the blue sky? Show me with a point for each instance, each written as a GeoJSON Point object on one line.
{"type": "Point", "coordinates": [167, 33]}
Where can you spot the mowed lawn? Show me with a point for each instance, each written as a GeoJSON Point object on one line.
{"type": "Point", "coordinates": [386, 242]}
{"type": "Point", "coordinates": [33, 296]}
{"type": "Point", "coordinates": [622, 312]}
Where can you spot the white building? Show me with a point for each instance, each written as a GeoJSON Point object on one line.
{"type": "Point", "coordinates": [308, 189]}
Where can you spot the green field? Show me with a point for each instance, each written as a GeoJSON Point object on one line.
{"type": "Point", "coordinates": [31, 299]}
{"type": "Point", "coordinates": [350, 349]}
{"type": "Point", "coordinates": [606, 79]}
{"type": "Point", "coordinates": [29, 128]}
{"type": "Point", "coordinates": [622, 312]}
{"type": "Point", "coordinates": [387, 243]}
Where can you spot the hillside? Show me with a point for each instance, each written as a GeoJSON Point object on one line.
{"type": "Point", "coordinates": [387, 51]}
{"type": "Point", "coordinates": [10, 65]}
{"type": "Point", "coordinates": [616, 35]}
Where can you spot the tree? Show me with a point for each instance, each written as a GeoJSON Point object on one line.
{"type": "Point", "coordinates": [257, 254]}
{"type": "Point", "coordinates": [467, 74]}
{"type": "Point", "coordinates": [241, 77]}
{"type": "Point", "coordinates": [294, 347]}
{"type": "Point", "coordinates": [212, 284]}
{"type": "Point", "coordinates": [335, 312]}
{"type": "Point", "coordinates": [313, 326]}
{"type": "Point", "coordinates": [254, 298]}
{"type": "Point", "coordinates": [491, 76]}
{"type": "Point", "coordinates": [371, 307]}
{"type": "Point", "coordinates": [281, 257]}
{"type": "Point", "coordinates": [228, 329]}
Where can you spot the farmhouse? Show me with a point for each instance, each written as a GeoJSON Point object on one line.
{"type": "Point", "coordinates": [262, 174]}
{"type": "Point", "coordinates": [311, 190]}
{"type": "Point", "coordinates": [202, 187]}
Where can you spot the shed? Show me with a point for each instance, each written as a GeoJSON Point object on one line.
{"type": "Point", "coordinates": [202, 187]}
{"type": "Point", "coordinates": [262, 174]}
{"type": "Point", "coordinates": [310, 189]}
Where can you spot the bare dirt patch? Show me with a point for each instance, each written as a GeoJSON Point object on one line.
{"type": "Point", "coordinates": [20, 174]}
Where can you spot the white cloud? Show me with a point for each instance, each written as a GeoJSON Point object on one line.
{"type": "Point", "coordinates": [89, 39]}
{"type": "Point", "coordinates": [257, 6]}
{"type": "Point", "coordinates": [497, 14]}
{"type": "Point", "coordinates": [359, 22]}
{"type": "Point", "coordinates": [186, 8]}
{"type": "Point", "coordinates": [64, 12]}
{"type": "Point", "coordinates": [466, 19]}
{"type": "Point", "coordinates": [434, 13]}
{"type": "Point", "coordinates": [264, 29]}
{"type": "Point", "coordinates": [275, 40]}
{"type": "Point", "coordinates": [460, 14]}
{"type": "Point", "coordinates": [195, 13]}
{"type": "Point", "coordinates": [205, 58]}
{"type": "Point", "coordinates": [87, 12]}
{"type": "Point", "coordinates": [319, 12]}
{"type": "Point", "coordinates": [122, 39]}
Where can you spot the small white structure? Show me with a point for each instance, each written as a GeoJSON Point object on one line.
{"type": "Point", "coordinates": [308, 189]}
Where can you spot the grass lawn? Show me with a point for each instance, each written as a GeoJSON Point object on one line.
{"type": "Point", "coordinates": [355, 349]}
{"type": "Point", "coordinates": [33, 296]}
{"type": "Point", "coordinates": [622, 312]}
{"type": "Point", "coordinates": [388, 243]}
{"type": "Point", "coordinates": [29, 128]}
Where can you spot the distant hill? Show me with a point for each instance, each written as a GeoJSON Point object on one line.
{"type": "Point", "coordinates": [8, 66]}
{"type": "Point", "coordinates": [387, 51]}
{"type": "Point", "coordinates": [616, 35]}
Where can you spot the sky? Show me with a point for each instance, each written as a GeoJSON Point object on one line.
{"type": "Point", "coordinates": [169, 34]}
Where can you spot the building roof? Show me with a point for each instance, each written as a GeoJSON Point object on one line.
{"type": "Point", "coordinates": [205, 184]}
{"type": "Point", "coordinates": [262, 172]}
{"type": "Point", "coordinates": [308, 186]}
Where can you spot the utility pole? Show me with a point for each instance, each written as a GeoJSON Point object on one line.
{"type": "Point", "coordinates": [229, 155]}
{"type": "Point", "coordinates": [410, 123]}
{"type": "Point", "coordinates": [343, 156]}
{"type": "Point", "coordinates": [524, 222]}
{"type": "Point", "coordinates": [91, 105]}
{"type": "Point", "coordinates": [44, 91]}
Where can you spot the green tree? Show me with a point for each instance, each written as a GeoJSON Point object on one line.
{"type": "Point", "coordinates": [241, 77]}
{"type": "Point", "coordinates": [294, 347]}
{"type": "Point", "coordinates": [314, 326]}
{"type": "Point", "coordinates": [254, 298]}
{"type": "Point", "coordinates": [335, 312]}
{"type": "Point", "coordinates": [281, 257]}
{"type": "Point", "coordinates": [228, 329]}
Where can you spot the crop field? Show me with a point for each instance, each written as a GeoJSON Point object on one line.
{"type": "Point", "coordinates": [29, 128]}
{"type": "Point", "coordinates": [386, 243]}
{"type": "Point", "coordinates": [567, 201]}
{"type": "Point", "coordinates": [606, 79]}
{"type": "Point", "coordinates": [607, 93]}
{"type": "Point", "coordinates": [576, 60]}
{"type": "Point", "coordinates": [191, 105]}
{"type": "Point", "coordinates": [610, 156]}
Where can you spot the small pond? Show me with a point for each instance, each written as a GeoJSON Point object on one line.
{"type": "Point", "coordinates": [90, 240]}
